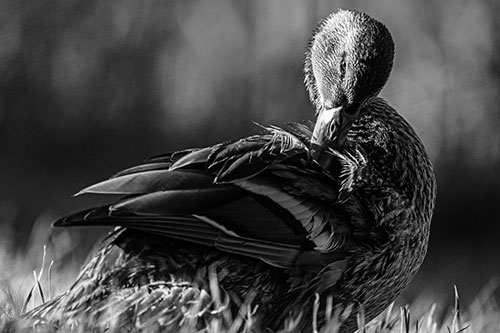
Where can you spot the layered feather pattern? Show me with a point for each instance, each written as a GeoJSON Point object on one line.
{"type": "Point", "coordinates": [261, 197]}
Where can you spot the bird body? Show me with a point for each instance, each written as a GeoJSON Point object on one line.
{"type": "Point", "coordinates": [341, 210]}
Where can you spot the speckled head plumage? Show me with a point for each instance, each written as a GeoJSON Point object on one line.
{"type": "Point", "coordinates": [348, 61]}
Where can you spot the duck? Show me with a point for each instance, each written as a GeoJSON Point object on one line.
{"type": "Point", "coordinates": [290, 222]}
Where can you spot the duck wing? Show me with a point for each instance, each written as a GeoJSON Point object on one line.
{"type": "Point", "coordinates": [260, 197]}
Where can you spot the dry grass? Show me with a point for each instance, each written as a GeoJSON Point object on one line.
{"type": "Point", "coordinates": [43, 271]}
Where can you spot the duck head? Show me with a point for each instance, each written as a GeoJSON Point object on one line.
{"type": "Point", "coordinates": [348, 61]}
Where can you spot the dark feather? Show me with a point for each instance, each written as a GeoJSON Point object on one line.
{"type": "Point", "coordinates": [301, 130]}
{"type": "Point", "coordinates": [143, 168]}
{"type": "Point", "coordinates": [194, 158]}
{"type": "Point", "coordinates": [248, 157]}
{"type": "Point", "coordinates": [152, 181]}
{"type": "Point", "coordinates": [171, 156]}
{"type": "Point", "coordinates": [193, 228]}
{"type": "Point", "coordinates": [179, 201]}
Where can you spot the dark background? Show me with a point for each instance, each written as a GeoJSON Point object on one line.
{"type": "Point", "coordinates": [91, 87]}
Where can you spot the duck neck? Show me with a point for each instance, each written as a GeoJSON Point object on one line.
{"type": "Point", "coordinates": [398, 172]}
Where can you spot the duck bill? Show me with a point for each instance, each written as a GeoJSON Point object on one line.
{"type": "Point", "coordinates": [329, 132]}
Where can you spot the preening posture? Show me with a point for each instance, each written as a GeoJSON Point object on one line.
{"type": "Point", "coordinates": [341, 209]}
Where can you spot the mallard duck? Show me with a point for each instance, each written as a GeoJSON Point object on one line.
{"type": "Point", "coordinates": [338, 211]}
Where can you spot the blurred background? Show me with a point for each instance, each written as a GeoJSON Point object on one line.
{"type": "Point", "coordinates": [91, 87]}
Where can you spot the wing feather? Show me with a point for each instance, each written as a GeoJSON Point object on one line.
{"type": "Point", "coordinates": [190, 228]}
{"type": "Point", "coordinates": [143, 168]}
{"type": "Point", "coordinates": [180, 201]}
{"type": "Point", "coordinates": [260, 196]}
{"type": "Point", "coordinates": [152, 181]}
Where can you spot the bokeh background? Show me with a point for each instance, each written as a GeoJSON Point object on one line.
{"type": "Point", "coordinates": [91, 87]}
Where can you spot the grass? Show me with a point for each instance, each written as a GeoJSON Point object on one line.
{"type": "Point", "coordinates": [48, 267]}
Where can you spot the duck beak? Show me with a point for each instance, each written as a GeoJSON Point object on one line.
{"type": "Point", "coordinates": [329, 132]}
